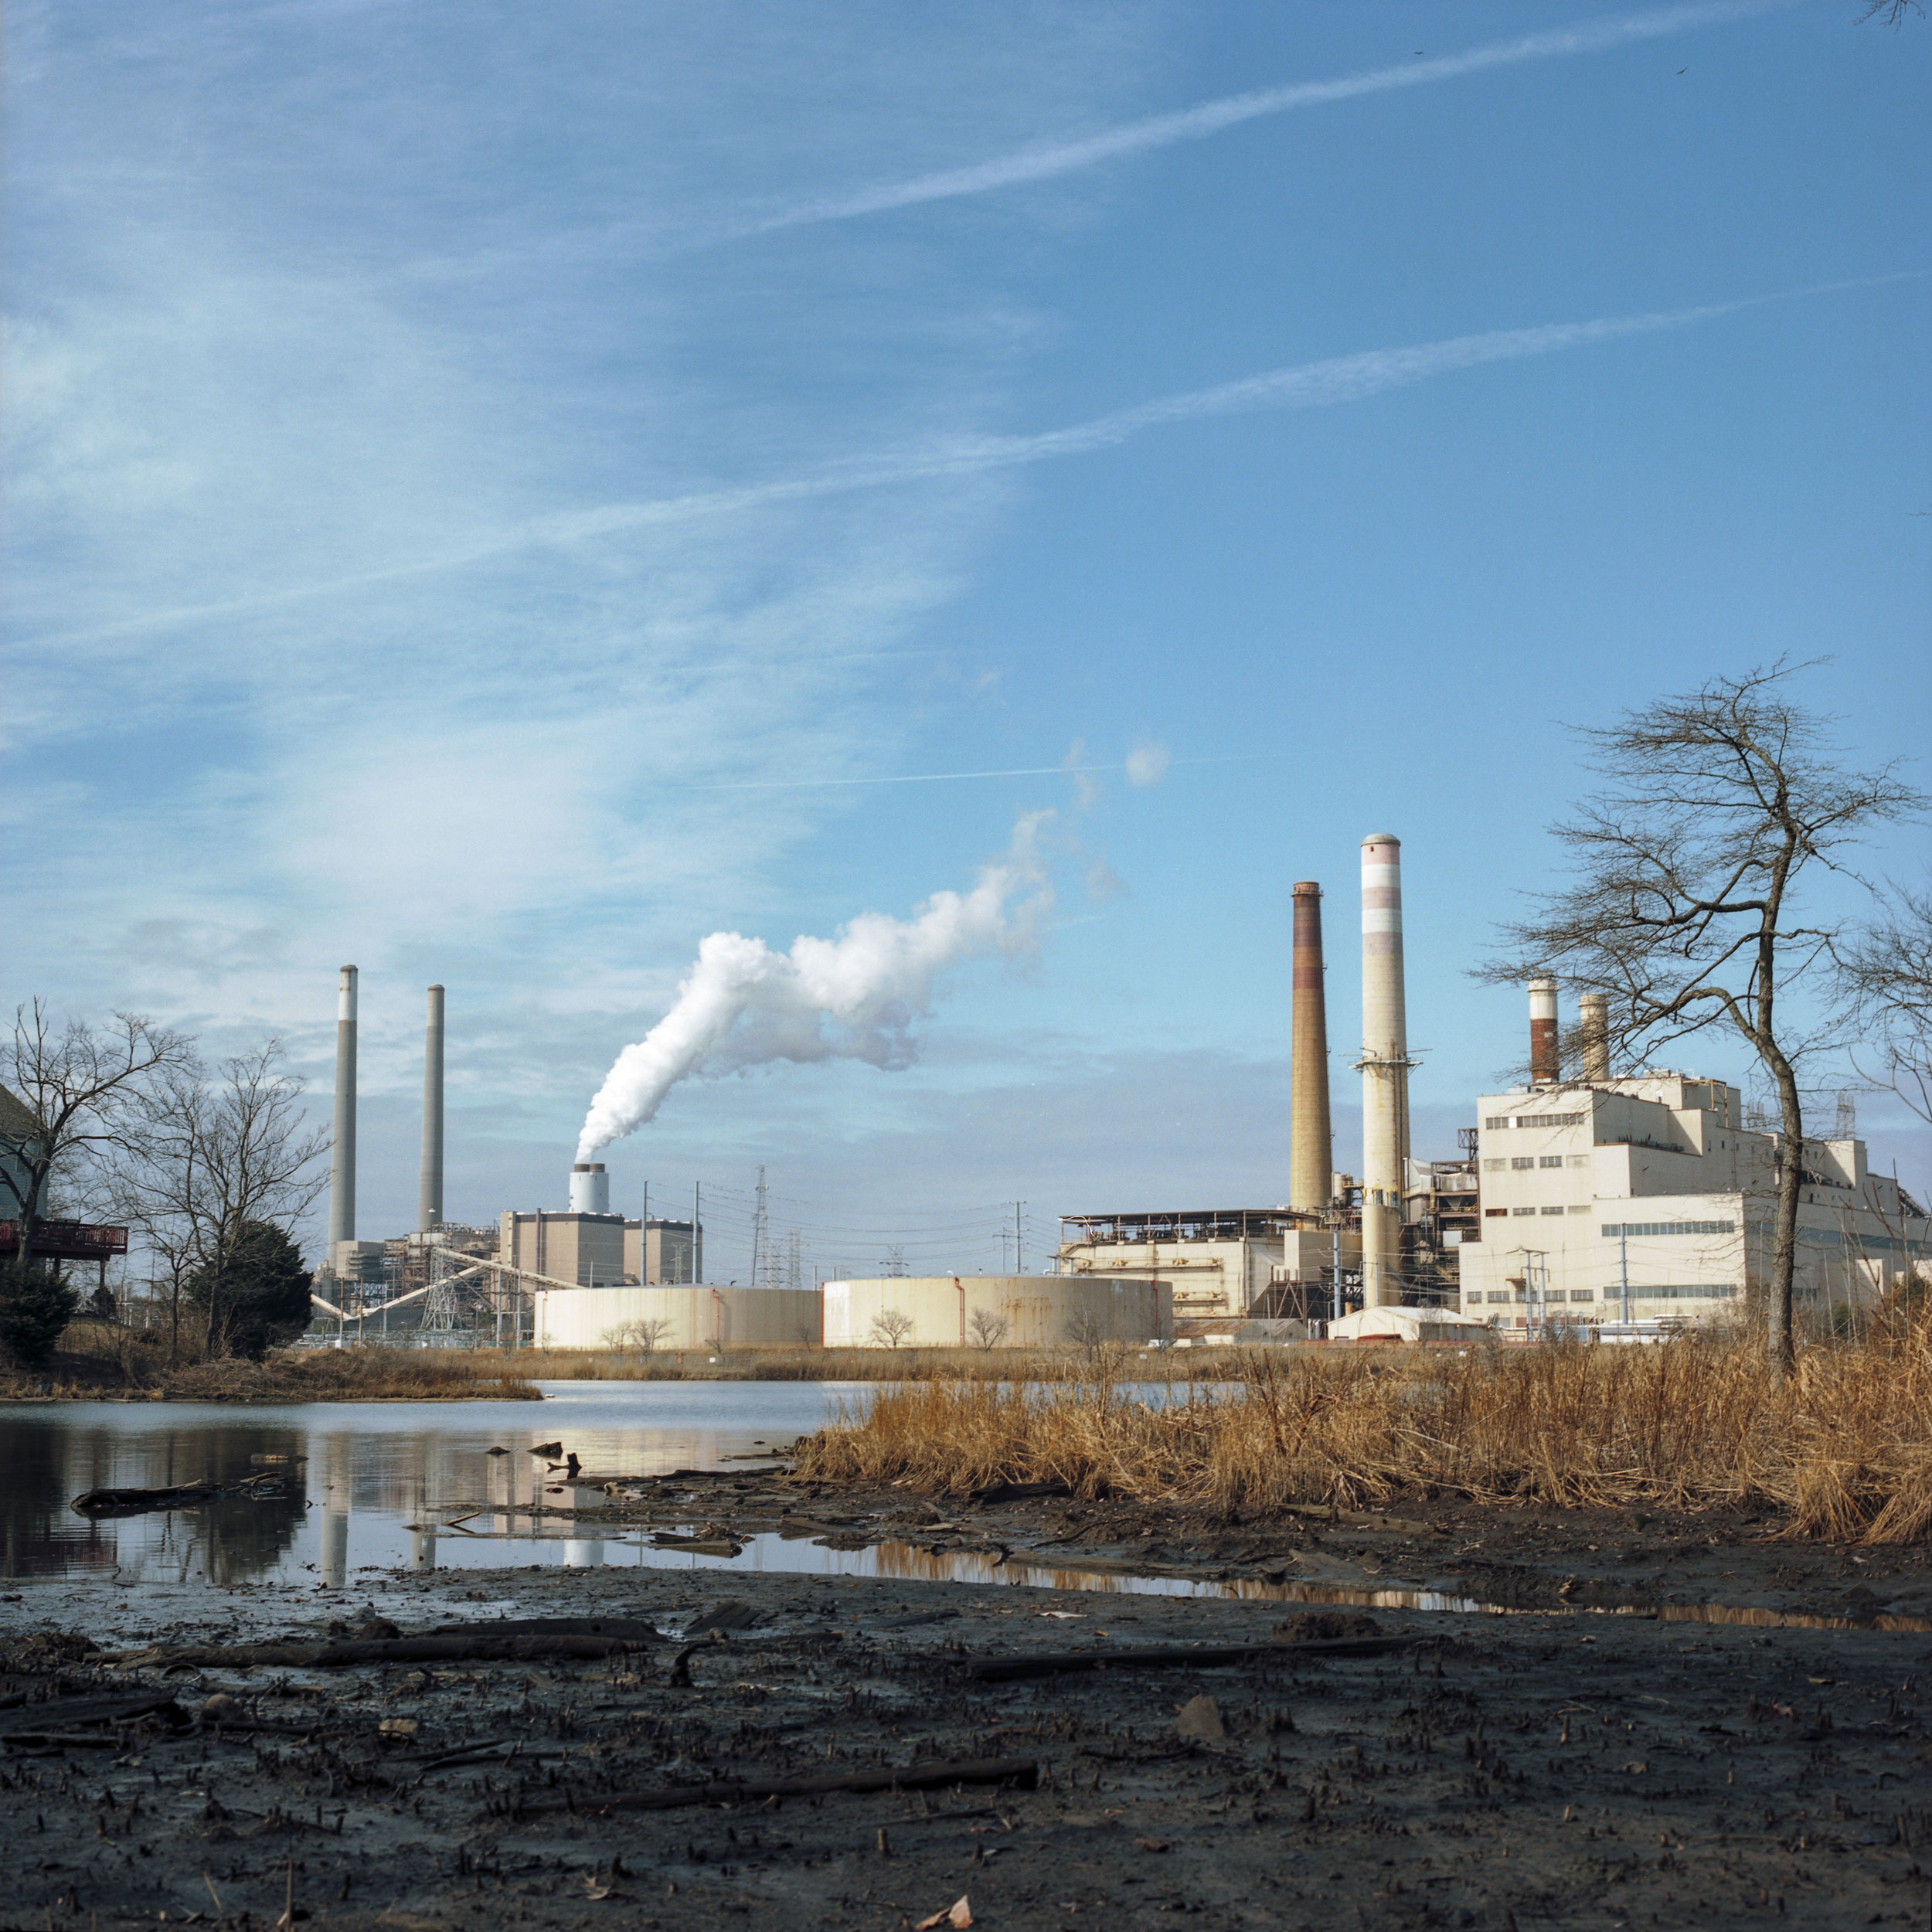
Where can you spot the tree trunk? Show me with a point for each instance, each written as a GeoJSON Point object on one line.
{"type": "Point", "coordinates": [1790, 1161]}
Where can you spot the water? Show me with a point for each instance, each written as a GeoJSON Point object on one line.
{"type": "Point", "coordinates": [361, 1473]}
{"type": "Point", "coordinates": [375, 1486]}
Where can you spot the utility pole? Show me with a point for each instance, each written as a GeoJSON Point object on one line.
{"type": "Point", "coordinates": [1623, 1264]}
{"type": "Point", "coordinates": [697, 1202]}
{"type": "Point", "coordinates": [1019, 1267]}
{"type": "Point", "coordinates": [1334, 1234]}
{"type": "Point", "coordinates": [758, 1229]}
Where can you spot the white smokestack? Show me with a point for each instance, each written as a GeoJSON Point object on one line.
{"type": "Point", "coordinates": [429, 1200]}
{"type": "Point", "coordinates": [1385, 1070]}
{"type": "Point", "coordinates": [590, 1189]}
{"type": "Point", "coordinates": [851, 997]}
{"type": "Point", "coordinates": [342, 1152]}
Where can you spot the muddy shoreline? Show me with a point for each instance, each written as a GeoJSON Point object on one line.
{"type": "Point", "coordinates": [1549, 1766]}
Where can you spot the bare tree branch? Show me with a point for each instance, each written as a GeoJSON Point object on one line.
{"type": "Point", "coordinates": [1683, 910]}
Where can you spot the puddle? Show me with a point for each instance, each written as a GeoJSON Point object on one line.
{"type": "Point", "coordinates": [767, 1553]}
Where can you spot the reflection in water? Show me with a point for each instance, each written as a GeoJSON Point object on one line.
{"type": "Point", "coordinates": [360, 1475]}
{"type": "Point", "coordinates": [383, 1485]}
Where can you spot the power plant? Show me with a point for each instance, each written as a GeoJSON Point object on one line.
{"type": "Point", "coordinates": [1582, 1199]}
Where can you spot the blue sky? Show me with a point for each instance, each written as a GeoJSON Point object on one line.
{"type": "Point", "coordinates": [497, 494]}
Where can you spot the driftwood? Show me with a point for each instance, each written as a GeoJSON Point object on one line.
{"type": "Point", "coordinates": [476, 1644]}
{"type": "Point", "coordinates": [268, 1483]}
{"type": "Point", "coordinates": [1161, 1656]}
{"type": "Point", "coordinates": [69, 1713]}
{"type": "Point", "coordinates": [1021, 1771]}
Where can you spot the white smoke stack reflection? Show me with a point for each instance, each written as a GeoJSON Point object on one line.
{"type": "Point", "coordinates": [851, 997]}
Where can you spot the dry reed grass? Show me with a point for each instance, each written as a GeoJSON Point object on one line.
{"type": "Point", "coordinates": [1844, 1448]}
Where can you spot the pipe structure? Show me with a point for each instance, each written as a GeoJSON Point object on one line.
{"type": "Point", "coordinates": [429, 1207]}
{"type": "Point", "coordinates": [342, 1152]}
{"type": "Point", "coordinates": [1385, 1065]}
{"type": "Point", "coordinates": [1310, 1157]}
{"type": "Point", "coordinates": [590, 1189]}
{"type": "Point", "coordinates": [1593, 1019]}
{"type": "Point", "coordinates": [1544, 1060]}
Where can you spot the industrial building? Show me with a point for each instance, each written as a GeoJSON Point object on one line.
{"type": "Point", "coordinates": [1217, 1264]}
{"type": "Point", "coordinates": [995, 1311]}
{"type": "Point", "coordinates": [1648, 1197]}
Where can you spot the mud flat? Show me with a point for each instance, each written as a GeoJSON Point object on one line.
{"type": "Point", "coordinates": [1555, 1766]}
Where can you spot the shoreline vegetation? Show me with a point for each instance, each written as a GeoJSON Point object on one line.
{"type": "Point", "coordinates": [1841, 1450]}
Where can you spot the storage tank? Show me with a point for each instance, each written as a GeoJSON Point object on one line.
{"type": "Point", "coordinates": [995, 1311]}
{"type": "Point", "coordinates": [635, 1318]}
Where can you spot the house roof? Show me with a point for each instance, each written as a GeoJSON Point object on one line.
{"type": "Point", "coordinates": [17, 1122]}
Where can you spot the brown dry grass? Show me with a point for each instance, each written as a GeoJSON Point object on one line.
{"type": "Point", "coordinates": [1844, 1449]}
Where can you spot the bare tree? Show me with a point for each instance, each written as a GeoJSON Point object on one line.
{"type": "Point", "coordinates": [643, 1334]}
{"type": "Point", "coordinates": [890, 1327]}
{"type": "Point", "coordinates": [988, 1329]}
{"type": "Point", "coordinates": [203, 1157]}
{"type": "Point", "coordinates": [1684, 911]}
{"type": "Point", "coordinates": [1886, 974]}
{"type": "Point", "coordinates": [81, 1088]}
{"type": "Point", "coordinates": [1085, 1330]}
{"type": "Point", "coordinates": [1893, 13]}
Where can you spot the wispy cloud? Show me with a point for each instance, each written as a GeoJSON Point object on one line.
{"type": "Point", "coordinates": [1315, 385]}
{"type": "Point", "coordinates": [1213, 117]}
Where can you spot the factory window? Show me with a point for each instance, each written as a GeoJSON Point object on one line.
{"type": "Point", "coordinates": [1669, 1227]}
{"type": "Point", "coordinates": [1582, 1295]}
{"type": "Point", "coordinates": [1493, 1166]}
{"type": "Point", "coordinates": [1549, 1160]}
{"type": "Point", "coordinates": [1493, 1214]}
{"type": "Point", "coordinates": [1499, 1295]}
{"type": "Point", "coordinates": [1691, 1291]}
{"type": "Point", "coordinates": [1549, 1120]}
{"type": "Point", "coordinates": [1522, 1210]}
{"type": "Point", "coordinates": [1580, 1160]}
{"type": "Point", "coordinates": [1550, 1210]}
{"type": "Point", "coordinates": [1580, 1207]}
{"type": "Point", "coordinates": [1522, 1161]}
{"type": "Point", "coordinates": [1496, 1121]}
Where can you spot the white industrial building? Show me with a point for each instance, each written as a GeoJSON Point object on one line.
{"type": "Point", "coordinates": [1648, 1197]}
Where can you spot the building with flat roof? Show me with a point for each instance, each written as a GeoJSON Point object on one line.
{"type": "Point", "coordinates": [1648, 1197]}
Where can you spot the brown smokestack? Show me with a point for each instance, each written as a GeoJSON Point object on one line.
{"type": "Point", "coordinates": [1543, 1061]}
{"type": "Point", "coordinates": [1310, 1157]}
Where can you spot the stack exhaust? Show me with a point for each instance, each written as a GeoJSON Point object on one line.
{"type": "Point", "coordinates": [590, 1189]}
{"type": "Point", "coordinates": [429, 1211]}
{"type": "Point", "coordinates": [1385, 1065]}
{"type": "Point", "coordinates": [1311, 1173]}
{"type": "Point", "coordinates": [341, 1153]}
{"type": "Point", "coordinates": [1545, 1061]}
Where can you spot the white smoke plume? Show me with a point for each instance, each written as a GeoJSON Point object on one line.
{"type": "Point", "coordinates": [851, 997]}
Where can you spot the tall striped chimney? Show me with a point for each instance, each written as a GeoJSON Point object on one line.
{"type": "Point", "coordinates": [1310, 1157]}
{"type": "Point", "coordinates": [429, 1200]}
{"type": "Point", "coordinates": [1384, 1071]}
{"type": "Point", "coordinates": [1544, 1063]}
{"type": "Point", "coordinates": [342, 1152]}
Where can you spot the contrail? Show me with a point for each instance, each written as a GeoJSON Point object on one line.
{"type": "Point", "coordinates": [1338, 379]}
{"type": "Point", "coordinates": [1197, 123]}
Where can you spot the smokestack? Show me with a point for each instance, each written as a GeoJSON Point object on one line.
{"type": "Point", "coordinates": [1384, 1071]}
{"type": "Point", "coordinates": [590, 1189]}
{"type": "Point", "coordinates": [341, 1153]}
{"type": "Point", "coordinates": [1592, 1016]}
{"type": "Point", "coordinates": [1543, 1060]}
{"type": "Point", "coordinates": [429, 1204]}
{"type": "Point", "coordinates": [1309, 1175]}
